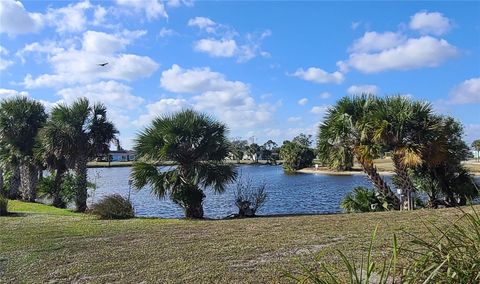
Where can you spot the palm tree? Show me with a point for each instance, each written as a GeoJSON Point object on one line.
{"type": "Point", "coordinates": [85, 133]}
{"type": "Point", "coordinates": [347, 131]}
{"type": "Point", "coordinates": [56, 149]}
{"type": "Point", "coordinates": [476, 147]}
{"type": "Point", "coordinates": [20, 120]}
{"type": "Point", "coordinates": [402, 126]}
{"type": "Point", "coordinates": [198, 146]}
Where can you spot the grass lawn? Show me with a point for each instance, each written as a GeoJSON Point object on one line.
{"type": "Point", "coordinates": [43, 244]}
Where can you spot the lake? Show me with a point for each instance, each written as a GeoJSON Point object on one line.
{"type": "Point", "coordinates": [287, 194]}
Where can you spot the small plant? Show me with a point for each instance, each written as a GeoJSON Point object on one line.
{"type": "Point", "coordinates": [113, 207]}
{"type": "Point", "coordinates": [362, 199]}
{"type": "Point", "coordinates": [64, 196]}
{"type": "Point", "coordinates": [3, 204]}
{"type": "Point", "coordinates": [248, 198]}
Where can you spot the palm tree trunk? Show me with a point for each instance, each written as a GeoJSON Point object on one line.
{"type": "Point", "coordinates": [13, 191]}
{"type": "Point", "coordinates": [28, 181]}
{"type": "Point", "coordinates": [1, 179]}
{"type": "Point", "coordinates": [81, 184]}
{"type": "Point", "coordinates": [194, 211]}
{"type": "Point", "coordinates": [379, 183]}
{"type": "Point", "coordinates": [57, 183]}
{"type": "Point", "coordinates": [406, 184]}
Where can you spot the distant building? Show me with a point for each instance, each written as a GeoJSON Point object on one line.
{"type": "Point", "coordinates": [122, 156]}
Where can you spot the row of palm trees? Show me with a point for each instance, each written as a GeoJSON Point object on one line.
{"type": "Point", "coordinates": [31, 141]}
{"type": "Point", "coordinates": [367, 127]}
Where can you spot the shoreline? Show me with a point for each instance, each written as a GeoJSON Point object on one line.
{"type": "Point", "coordinates": [325, 171]}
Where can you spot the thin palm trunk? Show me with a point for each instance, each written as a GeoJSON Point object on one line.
{"type": "Point", "coordinates": [13, 190]}
{"type": "Point", "coordinates": [1, 179]}
{"type": "Point", "coordinates": [371, 170]}
{"type": "Point", "coordinates": [406, 184]}
{"type": "Point", "coordinates": [81, 184]}
{"type": "Point", "coordinates": [57, 183]}
{"type": "Point", "coordinates": [28, 181]}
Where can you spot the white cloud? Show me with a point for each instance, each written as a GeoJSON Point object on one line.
{"type": "Point", "coordinates": [152, 8]}
{"type": "Point", "coordinates": [71, 18]}
{"type": "Point", "coordinates": [229, 100]}
{"type": "Point", "coordinates": [4, 63]}
{"type": "Point", "coordinates": [430, 23]}
{"type": "Point", "coordinates": [319, 109]}
{"type": "Point", "coordinates": [373, 41]}
{"type": "Point", "coordinates": [217, 48]}
{"type": "Point", "coordinates": [325, 95]}
{"type": "Point", "coordinates": [99, 16]}
{"type": "Point", "coordinates": [363, 89]}
{"type": "Point", "coordinates": [294, 119]}
{"type": "Point", "coordinates": [319, 76]}
{"type": "Point", "coordinates": [161, 107]}
{"type": "Point", "coordinates": [302, 101]}
{"type": "Point", "coordinates": [466, 92]}
{"type": "Point", "coordinates": [471, 132]}
{"type": "Point", "coordinates": [203, 23]}
{"type": "Point", "coordinates": [6, 93]}
{"type": "Point", "coordinates": [166, 32]}
{"type": "Point", "coordinates": [178, 3]}
{"type": "Point", "coordinates": [14, 19]}
{"type": "Point", "coordinates": [414, 53]}
{"type": "Point", "coordinates": [74, 65]}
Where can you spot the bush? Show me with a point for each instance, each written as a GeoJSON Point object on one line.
{"type": "Point", "coordinates": [248, 198]}
{"type": "Point", "coordinates": [362, 199]}
{"type": "Point", "coordinates": [113, 207]}
{"type": "Point", "coordinates": [3, 205]}
{"type": "Point", "coordinates": [445, 256]}
{"type": "Point", "coordinates": [67, 189]}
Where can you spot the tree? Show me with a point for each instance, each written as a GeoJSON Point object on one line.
{"type": "Point", "coordinates": [253, 150]}
{"type": "Point", "coordinates": [20, 120]}
{"type": "Point", "coordinates": [347, 132]}
{"type": "Point", "coordinates": [198, 146]}
{"type": "Point", "coordinates": [238, 148]}
{"type": "Point", "coordinates": [296, 156]}
{"type": "Point", "coordinates": [476, 147]}
{"type": "Point", "coordinates": [303, 139]}
{"type": "Point", "coordinates": [270, 151]}
{"type": "Point", "coordinates": [86, 134]}
{"type": "Point", "coordinates": [402, 126]}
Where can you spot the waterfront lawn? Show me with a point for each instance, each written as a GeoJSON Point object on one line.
{"type": "Point", "coordinates": [43, 244]}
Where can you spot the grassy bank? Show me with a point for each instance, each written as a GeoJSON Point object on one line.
{"type": "Point", "coordinates": [41, 244]}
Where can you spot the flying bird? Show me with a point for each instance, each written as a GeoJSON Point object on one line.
{"type": "Point", "coordinates": [102, 64]}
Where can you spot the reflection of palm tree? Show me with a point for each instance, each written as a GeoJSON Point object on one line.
{"type": "Point", "coordinates": [347, 130]}
{"type": "Point", "coordinates": [20, 120]}
{"type": "Point", "coordinates": [198, 146]}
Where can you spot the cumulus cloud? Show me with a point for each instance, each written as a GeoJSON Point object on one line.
{"type": "Point", "coordinates": [4, 63]}
{"type": "Point", "coordinates": [294, 119]}
{"type": "Point", "coordinates": [6, 93]}
{"type": "Point", "coordinates": [71, 18]}
{"type": "Point", "coordinates": [302, 101]}
{"type": "Point", "coordinates": [414, 53]}
{"type": "Point", "coordinates": [325, 95]}
{"type": "Point", "coordinates": [373, 41]}
{"type": "Point", "coordinates": [430, 23]}
{"type": "Point", "coordinates": [161, 107]}
{"type": "Point", "coordinates": [319, 109]}
{"type": "Point", "coordinates": [319, 76]}
{"type": "Point", "coordinates": [225, 41]}
{"type": "Point", "coordinates": [363, 89]}
{"type": "Point", "coordinates": [217, 48]}
{"type": "Point", "coordinates": [466, 92]}
{"type": "Point", "coordinates": [15, 19]}
{"type": "Point", "coordinates": [229, 100]}
{"type": "Point", "coordinates": [79, 65]}
{"type": "Point", "coordinates": [152, 9]}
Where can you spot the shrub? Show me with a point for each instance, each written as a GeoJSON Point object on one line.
{"type": "Point", "coordinates": [113, 207]}
{"type": "Point", "coordinates": [248, 198]}
{"type": "Point", "coordinates": [362, 199]}
{"type": "Point", "coordinates": [445, 256]}
{"type": "Point", "coordinates": [3, 205]}
{"type": "Point", "coordinates": [67, 189]}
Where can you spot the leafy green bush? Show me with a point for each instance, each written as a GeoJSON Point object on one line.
{"type": "Point", "coordinates": [113, 207]}
{"type": "Point", "coordinates": [67, 189]}
{"type": "Point", "coordinates": [362, 199]}
{"type": "Point", "coordinates": [3, 205]}
{"type": "Point", "coordinates": [445, 256]}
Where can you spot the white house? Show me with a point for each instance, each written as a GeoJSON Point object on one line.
{"type": "Point", "coordinates": [122, 156]}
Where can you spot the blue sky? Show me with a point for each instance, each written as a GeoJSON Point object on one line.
{"type": "Point", "coordinates": [268, 69]}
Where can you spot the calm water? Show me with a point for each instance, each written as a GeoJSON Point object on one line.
{"type": "Point", "coordinates": [287, 194]}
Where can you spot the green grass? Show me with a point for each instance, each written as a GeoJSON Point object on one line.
{"type": "Point", "coordinates": [44, 244]}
